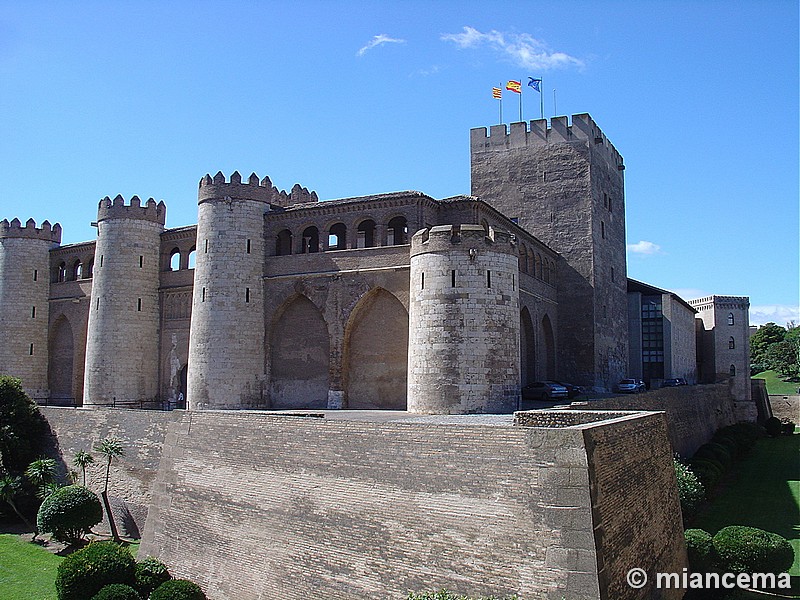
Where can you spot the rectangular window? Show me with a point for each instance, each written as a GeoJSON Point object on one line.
{"type": "Point", "coordinates": [141, 261]}
{"type": "Point", "coordinates": [423, 280]}
{"type": "Point", "coordinates": [206, 250]}
{"type": "Point", "coordinates": [248, 246]}
{"type": "Point", "coordinates": [488, 279]}
{"type": "Point", "coordinates": [97, 304]}
{"type": "Point", "coordinates": [101, 260]}
{"type": "Point", "coordinates": [33, 312]}
{"type": "Point", "coordinates": [513, 282]}
{"type": "Point", "coordinates": [203, 296]}
{"type": "Point", "coordinates": [453, 278]}
{"type": "Point", "coordinates": [31, 350]}
{"type": "Point", "coordinates": [35, 274]}
{"type": "Point", "coordinates": [139, 305]}
{"type": "Point", "coordinates": [247, 294]}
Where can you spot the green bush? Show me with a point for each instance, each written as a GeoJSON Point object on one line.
{"type": "Point", "coordinates": [700, 549]}
{"type": "Point", "coordinates": [745, 435]}
{"type": "Point", "coordinates": [178, 589]}
{"type": "Point", "coordinates": [773, 426]}
{"type": "Point", "coordinates": [21, 426]}
{"type": "Point", "coordinates": [84, 573]}
{"type": "Point", "coordinates": [750, 550]}
{"type": "Point", "coordinates": [150, 573]}
{"type": "Point", "coordinates": [690, 490]}
{"type": "Point", "coordinates": [716, 452]}
{"type": "Point", "coordinates": [69, 512]}
{"type": "Point", "coordinates": [117, 591]}
{"type": "Point", "coordinates": [709, 472]}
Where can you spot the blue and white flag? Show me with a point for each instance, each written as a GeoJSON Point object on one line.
{"type": "Point", "coordinates": [534, 83]}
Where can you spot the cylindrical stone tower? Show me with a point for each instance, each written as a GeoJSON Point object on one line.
{"type": "Point", "coordinates": [226, 343]}
{"type": "Point", "coordinates": [463, 342]}
{"type": "Point", "coordinates": [24, 304]}
{"type": "Point", "coordinates": [122, 333]}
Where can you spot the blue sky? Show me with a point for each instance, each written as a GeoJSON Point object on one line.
{"type": "Point", "coordinates": [356, 98]}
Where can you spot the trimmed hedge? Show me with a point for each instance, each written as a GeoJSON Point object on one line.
{"type": "Point", "coordinates": [751, 550]}
{"type": "Point", "coordinates": [84, 573]}
{"type": "Point", "coordinates": [178, 589]}
{"type": "Point", "coordinates": [69, 513]}
{"type": "Point", "coordinates": [690, 489]}
{"type": "Point", "coordinates": [117, 591]}
{"type": "Point", "coordinates": [150, 573]}
{"type": "Point", "coordinates": [773, 426]}
{"type": "Point", "coordinates": [700, 550]}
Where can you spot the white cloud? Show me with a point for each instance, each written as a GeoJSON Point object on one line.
{"type": "Point", "coordinates": [779, 314]}
{"type": "Point", "coordinates": [379, 40]}
{"type": "Point", "coordinates": [522, 49]}
{"type": "Point", "coordinates": [644, 248]}
{"type": "Point", "coordinates": [690, 293]}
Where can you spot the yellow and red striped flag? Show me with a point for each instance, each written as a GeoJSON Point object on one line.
{"type": "Point", "coordinates": [497, 93]}
{"type": "Point", "coordinates": [514, 86]}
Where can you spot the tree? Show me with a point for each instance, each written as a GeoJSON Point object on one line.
{"type": "Point", "coordinates": [782, 358]}
{"type": "Point", "coordinates": [42, 474]}
{"type": "Point", "coordinates": [762, 339]}
{"type": "Point", "coordinates": [21, 426]}
{"type": "Point", "coordinates": [111, 448]}
{"type": "Point", "coordinates": [10, 486]}
{"type": "Point", "coordinates": [83, 459]}
{"type": "Point", "coordinates": [69, 513]}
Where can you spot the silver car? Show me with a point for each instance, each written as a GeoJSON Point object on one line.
{"type": "Point", "coordinates": [631, 386]}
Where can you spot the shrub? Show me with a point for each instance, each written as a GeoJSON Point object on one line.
{"type": "Point", "coordinates": [69, 512]}
{"type": "Point", "coordinates": [745, 435]}
{"type": "Point", "coordinates": [773, 426]}
{"type": "Point", "coordinates": [690, 490]}
{"type": "Point", "coordinates": [700, 550]}
{"type": "Point", "coordinates": [716, 452]}
{"type": "Point", "coordinates": [787, 428]}
{"type": "Point", "coordinates": [750, 550]}
{"type": "Point", "coordinates": [85, 572]}
{"type": "Point", "coordinates": [22, 426]}
{"type": "Point", "coordinates": [117, 591]}
{"type": "Point", "coordinates": [150, 573]}
{"type": "Point", "coordinates": [708, 471]}
{"type": "Point", "coordinates": [178, 589]}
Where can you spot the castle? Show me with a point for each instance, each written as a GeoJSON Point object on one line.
{"type": "Point", "coordinates": [276, 300]}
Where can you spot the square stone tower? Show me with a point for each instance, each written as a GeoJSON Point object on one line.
{"type": "Point", "coordinates": [564, 184]}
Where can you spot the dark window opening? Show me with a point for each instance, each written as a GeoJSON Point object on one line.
{"type": "Point", "coordinates": [366, 234]}
{"type": "Point", "coordinates": [731, 343]}
{"type": "Point", "coordinates": [247, 294]}
{"type": "Point", "coordinates": [453, 278]}
{"type": "Point", "coordinates": [33, 312]}
{"type": "Point", "coordinates": [139, 305]}
{"type": "Point", "coordinates": [30, 351]}
{"type": "Point", "coordinates": [206, 249]}
{"type": "Point", "coordinates": [337, 237]}
{"type": "Point", "coordinates": [35, 274]}
{"type": "Point", "coordinates": [141, 261]}
{"type": "Point", "coordinates": [397, 233]}
{"type": "Point", "coordinates": [423, 280]}
{"type": "Point", "coordinates": [310, 240]}
{"type": "Point", "coordinates": [733, 370]}
{"type": "Point", "coordinates": [283, 243]}
{"type": "Point", "coordinates": [488, 279]}
{"type": "Point", "coordinates": [203, 295]}
{"type": "Point", "coordinates": [248, 246]}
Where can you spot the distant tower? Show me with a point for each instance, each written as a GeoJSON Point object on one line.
{"type": "Point", "coordinates": [24, 301]}
{"type": "Point", "coordinates": [463, 343]}
{"type": "Point", "coordinates": [564, 184]}
{"type": "Point", "coordinates": [122, 333]}
{"type": "Point", "coordinates": [723, 347]}
{"type": "Point", "coordinates": [226, 343]}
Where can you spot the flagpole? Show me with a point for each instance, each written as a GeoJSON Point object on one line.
{"type": "Point", "coordinates": [541, 98]}
{"type": "Point", "coordinates": [555, 108]}
{"type": "Point", "coordinates": [520, 98]}
{"type": "Point", "coordinates": [501, 103]}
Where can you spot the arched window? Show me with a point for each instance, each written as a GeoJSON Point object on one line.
{"type": "Point", "coordinates": [90, 268]}
{"type": "Point", "coordinates": [733, 371]}
{"type": "Point", "coordinates": [175, 259]}
{"type": "Point", "coordinates": [366, 234]}
{"type": "Point", "coordinates": [337, 237]}
{"type": "Point", "coordinates": [730, 319]}
{"type": "Point", "coordinates": [731, 343]}
{"type": "Point", "coordinates": [546, 271]}
{"type": "Point", "coordinates": [537, 269]}
{"type": "Point", "coordinates": [77, 270]}
{"type": "Point", "coordinates": [397, 232]}
{"type": "Point", "coordinates": [283, 243]}
{"type": "Point", "coordinates": [310, 240]}
{"type": "Point", "coordinates": [192, 256]}
{"type": "Point", "coordinates": [523, 259]}
{"type": "Point", "coordinates": [485, 225]}
{"type": "Point", "coordinates": [62, 272]}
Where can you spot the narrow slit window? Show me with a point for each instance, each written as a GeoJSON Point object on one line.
{"type": "Point", "coordinates": [602, 230]}
{"type": "Point", "coordinates": [30, 351]}
{"type": "Point", "coordinates": [97, 304]}
{"type": "Point", "coordinates": [423, 280]}
{"type": "Point", "coordinates": [453, 278]}
{"type": "Point", "coordinates": [35, 274]}
{"type": "Point", "coordinates": [141, 261]}
{"type": "Point", "coordinates": [139, 305]}
{"type": "Point", "coordinates": [33, 312]}
{"type": "Point", "coordinates": [488, 279]}
{"type": "Point", "coordinates": [101, 260]}
{"type": "Point", "coordinates": [513, 282]}
{"type": "Point", "coordinates": [248, 246]}
{"type": "Point", "coordinates": [206, 248]}
{"type": "Point", "coordinates": [203, 295]}
{"type": "Point", "coordinates": [247, 294]}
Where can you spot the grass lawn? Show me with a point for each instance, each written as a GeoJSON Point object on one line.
{"type": "Point", "coordinates": [26, 570]}
{"type": "Point", "coordinates": [29, 571]}
{"type": "Point", "coordinates": [764, 493]}
{"type": "Point", "coordinates": [777, 386]}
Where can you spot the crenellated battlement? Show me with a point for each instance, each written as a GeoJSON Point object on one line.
{"type": "Point", "coordinates": [538, 133]}
{"type": "Point", "coordinates": [217, 188]}
{"type": "Point", "coordinates": [442, 238]}
{"type": "Point", "coordinates": [46, 232]}
{"type": "Point", "coordinates": [117, 209]}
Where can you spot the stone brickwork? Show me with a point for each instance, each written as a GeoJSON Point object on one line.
{"type": "Point", "coordinates": [371, 507]}
{"type": "Point", "coordinates": [24, 308]}
{"type": "Point", "coordinates": [464, 321]}
{"type": "Point", "coordinates": [694, 413]}
{"type": "Point", "coordinates": [564, 184]}
{"type": "Point", "coordinates": [124, 313]}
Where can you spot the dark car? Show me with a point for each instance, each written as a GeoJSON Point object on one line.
{"type": "Point", "coordinates": [544, 390]}
{"type": "Point", "coordinates": [674, 382]}
{"type": "Point", "coordinates": [572, 390]}
{"type": "Point", "coordinates": [630, 386]}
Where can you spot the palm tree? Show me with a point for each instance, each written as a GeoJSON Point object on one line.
{"type": "Point", "coordinates": [81, 460]}
{"type": "Point", "coordinates": [111, 448]}
{"type": "Point", "coordinates": [10, 487]}
{"type": "Point", "coordinates": [42, 474]}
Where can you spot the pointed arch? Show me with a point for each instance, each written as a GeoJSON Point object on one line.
{"type": "Point", "coordinates": [299, 356]}
{"type": "Point", "coordinates": [376, 353]}
{"type": "Point", "coordinates": [60, 371]}
{"type": "Point", "coordinates": [527, 347]}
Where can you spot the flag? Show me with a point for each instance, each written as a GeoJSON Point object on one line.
{"type": "Point", "coordinates": [534, 83]}
{"type": "Point", "coordinates": [514, 86]}
{"type": "Point", "coordinates": [497, 93]}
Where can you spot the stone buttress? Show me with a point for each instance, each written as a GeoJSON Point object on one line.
{"type": "Point", "coordinates": [463, 346]}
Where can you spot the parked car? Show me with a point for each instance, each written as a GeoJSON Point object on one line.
{"type": "Point", "coordinates": [630, 386]}
{"type": "Point", "coordinates": [572, 390]}
{"type": "Point", "coordinates": [674, 382]}
{"type": "Point", "coordinates": [544, 390]}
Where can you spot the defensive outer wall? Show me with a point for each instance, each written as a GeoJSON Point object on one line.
{"type": "Point", "coordinates": [371, 504]}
